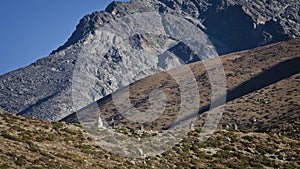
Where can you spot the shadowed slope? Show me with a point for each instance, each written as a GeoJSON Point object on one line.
{"type": "Point", "coordinates": [273, 75]}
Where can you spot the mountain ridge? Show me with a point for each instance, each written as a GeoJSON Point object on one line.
{"type": "Point", "coordinates": [281, 16]}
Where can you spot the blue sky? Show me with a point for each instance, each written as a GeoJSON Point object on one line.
{"type": "Point", "coordinates": [31, 29]}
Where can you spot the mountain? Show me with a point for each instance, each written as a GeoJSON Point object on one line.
{"type": "Point", "coordinates": [259, 127]}
{"type": "Point", "coordinates": [44, 89]}
{"type": "Point", "coordinates": [247, 24]}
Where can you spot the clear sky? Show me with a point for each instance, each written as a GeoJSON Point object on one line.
{"type": "Point", "coordinates": [31, 29]}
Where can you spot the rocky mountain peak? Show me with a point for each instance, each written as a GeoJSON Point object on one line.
{"type": "Point", "coordinates": [254, 22]}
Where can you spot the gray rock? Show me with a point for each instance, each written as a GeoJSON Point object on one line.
{"type": "Point", "coordinates": [232, 25]}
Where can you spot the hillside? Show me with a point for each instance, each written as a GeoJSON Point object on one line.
{"type": "Point", "coordinates": [28, 143]}
{"type": "Point", "coordinates": [262, 92]}
{"type": "Point", "coordinates": [44, 88]}
{"type": "Point", "coordinates": [259, 127]}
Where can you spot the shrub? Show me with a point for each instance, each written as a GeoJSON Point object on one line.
{"type": "Point", "coordinates": [70, 131]}
{"type": "Point", "coordinates": [256, 165]}
{"type": "Point", "coordinates": [264, 149]}
{"type": "Point", "coordinates": [84, 146]}
{"type": "Point", "coordinates": [40, 139]}
{"type": "Point", "coordinates": [57, 126]}
{"type": "Point", "coordinates": [17, 128]}
{"type": "Point", "coordinates": [10, 137]}
{"type": "Point", "coordinates": [36, 167]}
{"type": "Point", "coordinates": [33, 148]}
{"type": "Point", "coordinates": [182, 165]}
{"type": "Point", "coordinates": [229, 148]}
{"type": "Point", "coordinates": [187, 146]}
{"type": "Point", "coordinates": [249, 138]}
{"type": "Point", "coordinates": [51, 137]}
{"type": "Point", "coordinates": [223, 154]}
{"type": "Point", "coordinates": [21, 160]}
{"type": "Point", "coordinates": [234, 165]}
{"type": "Point", "coordinates": [4, 166]}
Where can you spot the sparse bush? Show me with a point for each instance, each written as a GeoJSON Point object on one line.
{"type": "Point", "coordinates": [21, 160]}
{"type": "Point", "coordinates": [36, 167]}
{"type": "Point", "coordinates": [264, 149]}
{"type": "Point", "coordinates": [40, 139]}
{"type": "Point", "coordinates": [84, 146]}
{"type": "Point", "coordinates": [202, 145]}
{"type": "Point", "coordinates": [32, 147]}
{"type": "Point", "coordinates": [223, 154]}
{"type": "Point", "coordinates": [182, 165]}
{"type": "Point", "coordinates": [77, 125]}
{"type": "Point", "coordinates": [4, 166]}
{"type": "Point", "coordinates": [249, 138]}
{"type": "Point", "coordinates": [187, 146]}
{"type": "Point", "coordinates": [229, 148]}
{"type": "Point", "coordinates": [234, 165]}
{"type": "Point", "coordinates": [10, 137]}
{"type": "Point", "coordinates": [70, 131]}
{"type": "Point", "coordinates": [17, 128]}
{"type": "Point", "coordinates": [47, 155]}
{"type": "Point", "coordinates": [256, 165]}
{"type": "Point", "coordinates": [213, 143]}
{"type": "Point", "coordinates": [57, 126]}
{"type": "Point", "coordinates": [50, 137]}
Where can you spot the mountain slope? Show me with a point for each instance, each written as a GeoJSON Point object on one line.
{"type": "Point", "coordinates": [28, 143]}
{"type": "Point", "coordinates": [44, 88]}
{"type": "Point", "coordinates": [259, 128]}
{"type": "Point", "coordinates": [248, 74]}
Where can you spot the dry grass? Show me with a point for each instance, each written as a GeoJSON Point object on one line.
{"type": "Point", "coordinates": [26, 143]}
{"type": "Point", "coordinates": [275, 103]}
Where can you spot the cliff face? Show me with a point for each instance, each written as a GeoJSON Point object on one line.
{"type": "Point", "coordinates": [231, 25]}
{"type": "Point", "coordinates": [44, 88]}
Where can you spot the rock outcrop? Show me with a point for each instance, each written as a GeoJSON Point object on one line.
{"type": "Point", "coordinates": [231, 25]}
